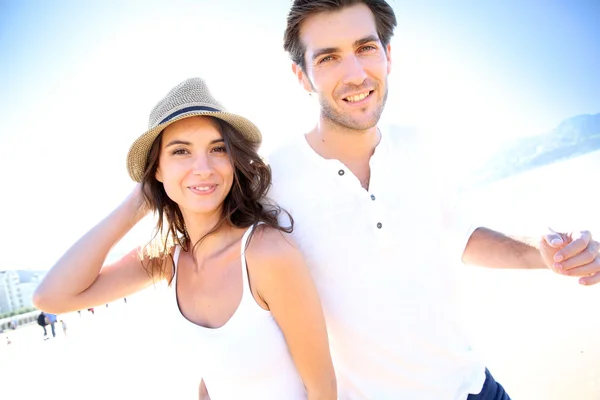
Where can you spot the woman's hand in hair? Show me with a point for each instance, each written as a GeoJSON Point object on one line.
{"type": "Point", "coordinates": [138, 201]}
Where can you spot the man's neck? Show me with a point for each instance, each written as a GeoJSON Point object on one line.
{"type": "Point", "coordinates": [351, 147]}
{"type": "Point", "coordinates": [346, 145]}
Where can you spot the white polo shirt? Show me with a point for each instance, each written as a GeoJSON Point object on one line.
{"type": "Point", "coordinates": [380, 260]}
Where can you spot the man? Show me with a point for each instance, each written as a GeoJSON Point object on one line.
{"type": "Point", "coordinates": [52, 321]}
{"type": "Point", "coordinates": [369, 224]}
{"type": "Point", "coordinates": [42, 321]}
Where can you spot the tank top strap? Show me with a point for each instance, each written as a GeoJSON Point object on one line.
{"type": "Point", "coordinates": [176, 254]}
{"type": "Point", "coordinates": [244, 244]}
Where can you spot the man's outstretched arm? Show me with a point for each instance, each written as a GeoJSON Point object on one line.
{"type": "Point", "coordinates": [567, 254]}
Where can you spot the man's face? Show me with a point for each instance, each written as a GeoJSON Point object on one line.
{"type": "Point", "coordinates": [346, 65]}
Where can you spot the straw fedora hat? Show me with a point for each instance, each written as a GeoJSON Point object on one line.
{"type": "Point", "coordinates": [190, 98]}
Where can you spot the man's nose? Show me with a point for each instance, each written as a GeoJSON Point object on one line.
{"type": "Point", "coordinates": [354, 72]}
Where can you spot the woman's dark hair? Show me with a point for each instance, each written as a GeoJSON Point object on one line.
{"type": "Point", "coordinates": [385, 20]}
{"type": "Point", "coordinates": [245, 205]}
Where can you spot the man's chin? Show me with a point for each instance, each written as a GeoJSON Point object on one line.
{"type": "Point", "coordinates": [356, 122]}
{"type": "Point", "coordinates": [359, 125]}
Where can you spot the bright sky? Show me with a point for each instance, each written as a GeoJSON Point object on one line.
{"type": "Point", "coordinates": [78, 80]}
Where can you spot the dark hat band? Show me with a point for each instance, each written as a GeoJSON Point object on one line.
{"type": "Point", "coordinates": [187, 109]}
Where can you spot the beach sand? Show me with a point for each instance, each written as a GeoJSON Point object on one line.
{"type": "Point", "coordinates": [537, 333]}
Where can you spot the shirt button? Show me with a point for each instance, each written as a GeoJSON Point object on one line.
{"type": "Point", "coordinates": [379, 225]}
{"type": "Point", "coordinates": [372, 197]}
{"type": "Point", "coordinates": [341, 172]}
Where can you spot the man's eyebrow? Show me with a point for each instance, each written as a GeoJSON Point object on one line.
{"type": "Point", "coordinates": [329, 50]}
{"type": "Point", "coordinates": [366, 39]}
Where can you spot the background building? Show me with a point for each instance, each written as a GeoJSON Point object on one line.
{"type": "Point", "coordinates": [16, 289]}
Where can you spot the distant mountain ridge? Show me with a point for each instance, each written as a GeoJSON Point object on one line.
{"type": "Point", "coordinates": [573, 137]}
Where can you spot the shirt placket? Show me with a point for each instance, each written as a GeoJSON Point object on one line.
{"type": "Point", "coordinates": [374, 195]}
{"type": "Point", "coordinates": [368, 202]}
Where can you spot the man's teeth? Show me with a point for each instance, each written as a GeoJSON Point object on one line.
{"type": "Point", "coordinates": [358, 97]}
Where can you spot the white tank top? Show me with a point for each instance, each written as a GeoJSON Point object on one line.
{"type": "Point", "coordinates": [247, 358]}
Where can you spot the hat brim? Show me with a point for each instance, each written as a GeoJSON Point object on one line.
{"type": "Point", "coordinates": [137, 156]}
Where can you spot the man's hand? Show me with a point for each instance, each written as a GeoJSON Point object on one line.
{"type": "Point", "coordinates": [573, 254]}
{"type": "Point", "coordinates": [203, 393]}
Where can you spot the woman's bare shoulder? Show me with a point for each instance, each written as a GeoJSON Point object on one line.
{"type": "Point", "coordinates": [269, 245]}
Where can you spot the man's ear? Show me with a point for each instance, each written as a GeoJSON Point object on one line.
{"type": "Point", "coordinates": [389, 58]}
{"type": "Point", "coordinates": [302, 78]}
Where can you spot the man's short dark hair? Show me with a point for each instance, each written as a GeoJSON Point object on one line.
{"type": "Point", "coordinates": [385, 20]}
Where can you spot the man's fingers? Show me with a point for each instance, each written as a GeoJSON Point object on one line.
{"type": "Point", "coordinates": [583, 258]}
{"type": "Point", "coordinates": [578, 244]}
{"type": "Point", "coordinates": [590, 280]}
{"type": "Point", "coordinates": [588, 269]}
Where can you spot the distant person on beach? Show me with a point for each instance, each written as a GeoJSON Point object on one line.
{"type": "Point", "coordinates": [369, 219]}
{"type": "Point", "coordinates": [238, 285]}
{"type": "Point", "coordinates": [63, 325]}
{"type": "Point", "coordinates": [42, 321]}
{"type": "Point", "coordinates": [52, 322]}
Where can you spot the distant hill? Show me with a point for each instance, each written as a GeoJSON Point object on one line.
{"type": "Point", "coordinates": [573, 137]}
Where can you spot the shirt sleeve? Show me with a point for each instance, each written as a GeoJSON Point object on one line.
{"type": "Point", "coordinates": [459, 223]}
{"type": "Point", "coordinates": [459, 219]}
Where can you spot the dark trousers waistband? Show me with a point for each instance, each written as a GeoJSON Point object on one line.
{"type": "Point", "coordinates": [491, 390]}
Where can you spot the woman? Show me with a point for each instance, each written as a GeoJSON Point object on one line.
{"type": "Point", "coordinates": [239, 284]}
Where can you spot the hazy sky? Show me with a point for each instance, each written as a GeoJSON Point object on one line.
{"type": "Point", "coordinates": [78, 80]}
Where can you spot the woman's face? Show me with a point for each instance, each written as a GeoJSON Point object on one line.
{"type": "Point", "coordinates": [194, 166]}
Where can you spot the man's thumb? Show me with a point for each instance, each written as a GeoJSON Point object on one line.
{"type": "Point", "coordinates": [554, 239]}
